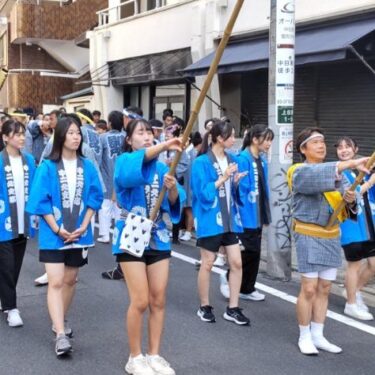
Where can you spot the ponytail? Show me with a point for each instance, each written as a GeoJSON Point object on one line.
{"type": "Point", "coordinates": [219, 128]}
{"type": "Point", "coordinates": [258, 131]}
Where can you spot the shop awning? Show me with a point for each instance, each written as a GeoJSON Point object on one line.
{"type": "Point", "coordinates": [326, 43]}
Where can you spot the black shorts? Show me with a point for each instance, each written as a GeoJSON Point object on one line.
{"type": "Point", "coordinates": [70, 257]}
{"type": "Point", "coordinates": [251, 239]}
{"type": "Point", "coordinates": [359, 250]}
{"type": "Point", "coordinates": [213, 243]}
{"type": "Point", "coordinates": [149, 257]}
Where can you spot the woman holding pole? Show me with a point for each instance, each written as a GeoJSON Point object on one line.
{"type": "Point", "coordinates": [358, 237]}
{"type": "Point", "coordinates": [138, 179]}
{"type": "Point", "coordinates": [316, 191]}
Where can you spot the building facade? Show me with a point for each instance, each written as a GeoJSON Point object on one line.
{"type": "Point", "coordinates": [44, 50]}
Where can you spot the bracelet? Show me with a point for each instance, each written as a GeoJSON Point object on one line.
{"type": "Point", "coordinates": [58, 231]}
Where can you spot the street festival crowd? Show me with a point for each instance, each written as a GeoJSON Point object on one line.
{"type": "Point", "coordinates": [59, 170]}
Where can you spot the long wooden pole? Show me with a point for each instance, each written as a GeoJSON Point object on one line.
{"type": "Point", "coordinates": [356, 182]}
{"type": "Point", "coordinates": [198, 105]}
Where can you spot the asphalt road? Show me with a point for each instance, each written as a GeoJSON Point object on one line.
{"type": "Point", "coordinates": [191, 346]}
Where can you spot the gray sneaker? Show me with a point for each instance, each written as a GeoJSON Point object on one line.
{"type": "Point", "coordinates": [63, 345]}
{"type": "Point", "coordinates": [67, 329]}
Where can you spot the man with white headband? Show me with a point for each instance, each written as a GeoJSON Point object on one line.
{"type": "Point", "coordinates": [316, 190]}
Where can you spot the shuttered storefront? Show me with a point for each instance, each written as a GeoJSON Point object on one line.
{"type": "Point", "coordinates": [340, 98]}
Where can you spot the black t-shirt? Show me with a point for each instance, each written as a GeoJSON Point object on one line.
{"type": "Point", "coordinates": [264, 204]}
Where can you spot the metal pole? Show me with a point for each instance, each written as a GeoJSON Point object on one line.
{"type": "Point", "coordinates": [280, 119]}
{"type": "Point", "coordinates": [198, 105]}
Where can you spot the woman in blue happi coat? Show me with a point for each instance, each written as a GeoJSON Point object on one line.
{"type": "Point", "coordinates": [216, 197]}
{"type": "Point", "coordinates": [65, 194]}
{"type": "Point", "coordinates": [358, 236]}
{"type": "Point", "coordinates": [16, 176]}
{"type": "Point", "coordinates": [255, 211]}
{"type": "Point", "coordinates": [138, 179]}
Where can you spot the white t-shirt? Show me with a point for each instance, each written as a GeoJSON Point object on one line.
{"type": "Point", "coordinates": [223, 164]}
{"type": "Point", "coordinates": [19, 187]}
{"type": "Point", "coordinates": [70, 167]}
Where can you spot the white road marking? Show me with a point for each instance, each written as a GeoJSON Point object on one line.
{"type": "Point", "coordinates": [284, 296]}
{"type": "Point", "coordinates": [287, 297]}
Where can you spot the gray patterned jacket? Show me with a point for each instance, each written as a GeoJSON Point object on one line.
{"type": "Point", "coordinates": [310, 206]}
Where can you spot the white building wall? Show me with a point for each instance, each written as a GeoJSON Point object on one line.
{"type": "Point", "coordinates": [196, 24]}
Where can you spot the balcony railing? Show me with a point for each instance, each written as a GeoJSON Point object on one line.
{"type": "Point", "coordinates": [126, 9]}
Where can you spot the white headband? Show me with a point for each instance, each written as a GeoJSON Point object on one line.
{"type": "Point", "coordinates": [313, 136]}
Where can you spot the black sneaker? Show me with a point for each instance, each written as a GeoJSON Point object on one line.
{"type": "Point", "coordinates": [115, 274]}
{"type": "Point", "coordinates": [235, 315]}
{"type": "Point", "coordinates": [206, 314]}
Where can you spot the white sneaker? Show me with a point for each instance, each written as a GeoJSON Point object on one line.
{"type": "Point", "coordinates": [307, 347]}
{"type": "Point", "coordinates": [360, 302]}
{"type": "Point", "coordinates": [103, 239]}
{"type": "Point", "coordinates": [14, 318]}
{"type": "Point", "coordinates": [322, 343]}
{"type": "Point", "coordinates": [42, 280]}
{"type": "Point", "coordinates": [355, 311]}
{"type": "Point", "coordinates": [220, 261]}
{"type": "Point", "coordinates": [186, 236]}
{"type": "Point", "coordinates": [254, 296]}
{"type": "Point", "coordinates": [224, 286]}
{"type": "Point", "coordinates": [138, 366]}
{"type": "Point", "coordinates": [159, 365]}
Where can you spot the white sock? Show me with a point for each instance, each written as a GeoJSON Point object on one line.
{"type": "Point", "coordinates": [317, 329]}
{"type": "Point", "coordinates": [152, 356]}
{"type": "Point", "coordinates": [139, 356]}
{"type": "Point", "coordinates": [304, 332]}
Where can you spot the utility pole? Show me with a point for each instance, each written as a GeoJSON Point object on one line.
{"type": "Point", "coordinates": [280, 120]}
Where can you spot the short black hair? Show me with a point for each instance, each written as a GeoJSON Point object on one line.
{"type": "Point", "coordinates": [116, 120]}
{"type": "Point", "coordinates": [86, 113]}
{"type": "Point", "coordinates": [56, 112]}
{"type": "Point", "coordinates": [135, 110]}
{"type": "Point", "coordinates": [157, 124]}
{"type": "Point", "coordinates": [96, 113]}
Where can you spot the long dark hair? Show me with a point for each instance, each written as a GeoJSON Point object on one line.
{"type": "Point", "coordinates": [59, 137]}
{"type": "Point", "coordinates": [130, 130]}
{"type": "Point", "coordinates": [219, 128]}
{"type": "Point", "coordinates": [259, 131]}
{"type": "Point", "coordinates": [303, 135]}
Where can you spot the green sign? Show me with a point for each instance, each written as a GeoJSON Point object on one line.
{"type": "Point", "coordinates": [285, 115]}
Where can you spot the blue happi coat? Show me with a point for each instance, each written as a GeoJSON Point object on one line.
{"type": "Point", "coordinates": [132, 173]}
{"type": "Point", "coordinates": [357, 230]}
{"type": "Point", "coordinates": [45, 198]}
{"type": "Point", "coordinates": [111, 144]}
{"type": "Point", "coordinates": [249, 189]}
{"type": "Point", "coordinates": [206, 208]}
{"type": "Point", "coordinates": [91, 138]}
{"type": "Point", "coordinates": [6, 233]}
